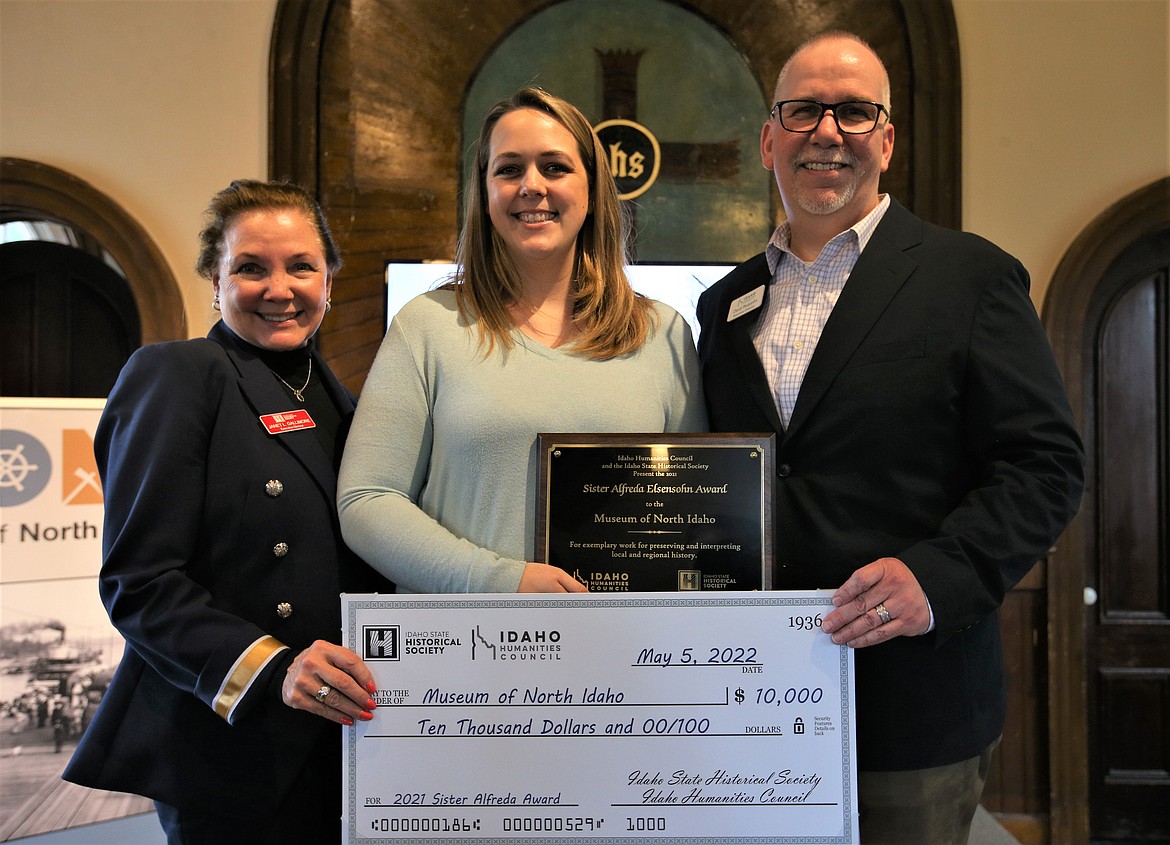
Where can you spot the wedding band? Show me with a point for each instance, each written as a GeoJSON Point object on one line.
{"type": "Point", "coordinates": [323, 693]}
{"type": "Point", "coordinates": [882, 613]}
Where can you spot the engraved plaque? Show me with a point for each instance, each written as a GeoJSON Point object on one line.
{"type": "Point", "coordinates": [655, 512]}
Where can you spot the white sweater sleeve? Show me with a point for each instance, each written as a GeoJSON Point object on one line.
{"type": "Point", "coordinates": [686, 409]}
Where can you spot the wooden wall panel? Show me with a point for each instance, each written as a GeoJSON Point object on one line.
{"type": "Point", "coordinates": [1017, 787]}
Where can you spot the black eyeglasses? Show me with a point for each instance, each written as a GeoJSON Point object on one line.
{"type": "Point", "coordinates": [853, 117]}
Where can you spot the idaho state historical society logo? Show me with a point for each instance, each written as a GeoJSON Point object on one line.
{"type": "Point", "coordinates": [381, 642]}
{"type": "Point", "coordinates": [633, 154]}
{"type": "Point", "coordinates": [387, 642]}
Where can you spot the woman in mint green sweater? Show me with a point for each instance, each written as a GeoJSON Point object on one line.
{"type": "Point", "coordinates": [539, 331]}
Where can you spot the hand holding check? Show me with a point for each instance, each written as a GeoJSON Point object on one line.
{"type": "Point", "coordinates": [330, 681]}
{"type": "Point", "coordinates": [880, 601]}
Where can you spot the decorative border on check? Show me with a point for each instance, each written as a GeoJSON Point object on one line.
{"type": "Point", "coordinates": [508, 601]}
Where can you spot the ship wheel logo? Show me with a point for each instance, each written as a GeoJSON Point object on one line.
{"type": "Point", "coordinates": [25, 467]}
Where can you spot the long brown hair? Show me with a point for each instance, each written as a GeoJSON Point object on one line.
{"type": "Point", "coordinates": [611, 318]}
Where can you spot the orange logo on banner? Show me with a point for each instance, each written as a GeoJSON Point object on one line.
{"type": "Point", "coordinates": [80, 484]}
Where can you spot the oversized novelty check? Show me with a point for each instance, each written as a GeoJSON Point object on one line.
{"type": "Point", "coordinates": [650, 717]}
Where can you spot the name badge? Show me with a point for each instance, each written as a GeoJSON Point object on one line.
{"type": "Point", "coordinates": [748, 302]}
{"type": "Point", "coordinates": [287, 421]}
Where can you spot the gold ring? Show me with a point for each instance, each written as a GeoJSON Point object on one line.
{"type": "Point", "coordinates": [323, 693]}
{"type": "Point", "coordinates": [882, 613]}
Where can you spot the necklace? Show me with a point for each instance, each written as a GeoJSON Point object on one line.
{"type": "Point", "coordinates": [562, 325]}
{"type": "Point", "coordinates": [562, 333]}
{"type": "Point", "coordinates": [536, 308]}
{"type": "Point", "coordinates": [300, 394]}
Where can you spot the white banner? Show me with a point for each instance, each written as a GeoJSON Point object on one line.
{"type": "Point", "coordinates": [50, 493]}
{"type": "Point", "coordinates": [59, 648]}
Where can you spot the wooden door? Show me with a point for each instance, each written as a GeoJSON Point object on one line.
{"type": "Point", "coordinates": [1128, 629]}
{"type": "Point", "coordinates": [1108, 661]}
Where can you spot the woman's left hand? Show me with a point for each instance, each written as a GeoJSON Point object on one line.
{"type": "Point", "coordinates": [330, 681]}
{"type": "Point", "coordinates": [542, 578]}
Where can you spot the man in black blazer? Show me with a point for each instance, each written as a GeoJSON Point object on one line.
{"type": "Point", "coordinates": [926, 453]}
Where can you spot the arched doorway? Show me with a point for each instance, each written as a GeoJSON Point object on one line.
{"type": "Point", "coordinates": [69, 324]}
{"type": "Point", "coordinates": [1108, 316]}
{"type": "Point", "coordinates": [139, 303]}
{"type": "Point", "coordinates": [367, 100]}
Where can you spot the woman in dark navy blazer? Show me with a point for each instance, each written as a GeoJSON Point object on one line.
{"type": "Point", "coordinates": [223, 560]}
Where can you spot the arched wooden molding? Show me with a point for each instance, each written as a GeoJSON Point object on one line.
{"type": "Point", "coordinates": [378, 139]}
{"type": "Point", "coordinates": [31, 190]}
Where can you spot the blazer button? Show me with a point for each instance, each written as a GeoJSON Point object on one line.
{"type": "Point", "coordinates": [274, 488]}
{"type": "Point", "coordinates": [784, 470]}
{"type": "Point", "coordinates": [280, 549]}
{"type": "Point", "coordinates": [284, 610]}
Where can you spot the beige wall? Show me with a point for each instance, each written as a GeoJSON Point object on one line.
{"type": "Point", "coordinates": [159, 103]}
{"type": "Point", "coordinates": [156, 103]}
{"type": "Point", "coordinates": [1066, 110]}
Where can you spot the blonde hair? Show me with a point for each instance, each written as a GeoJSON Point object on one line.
{"type": "Point", "coordinates": [612, 319]}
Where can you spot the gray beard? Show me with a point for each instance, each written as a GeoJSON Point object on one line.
{"type": "Point", "coordinates": [823, 204]}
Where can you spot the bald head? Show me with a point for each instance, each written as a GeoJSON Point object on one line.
{"type": "Point", "coordinates": [828, 175]}
{"type": "Point", "coordinates": [853, 51]}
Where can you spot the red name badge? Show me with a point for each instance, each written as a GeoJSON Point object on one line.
{"type": "Point", "coordinates": [287, 421]}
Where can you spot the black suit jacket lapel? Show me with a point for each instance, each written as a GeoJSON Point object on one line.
{"type": "Point", "coordinates": [262, 392]}
{"type": "Point", "coordinates": [755, 274]}
{"type": "Point", "coordinates": [877, 277]}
